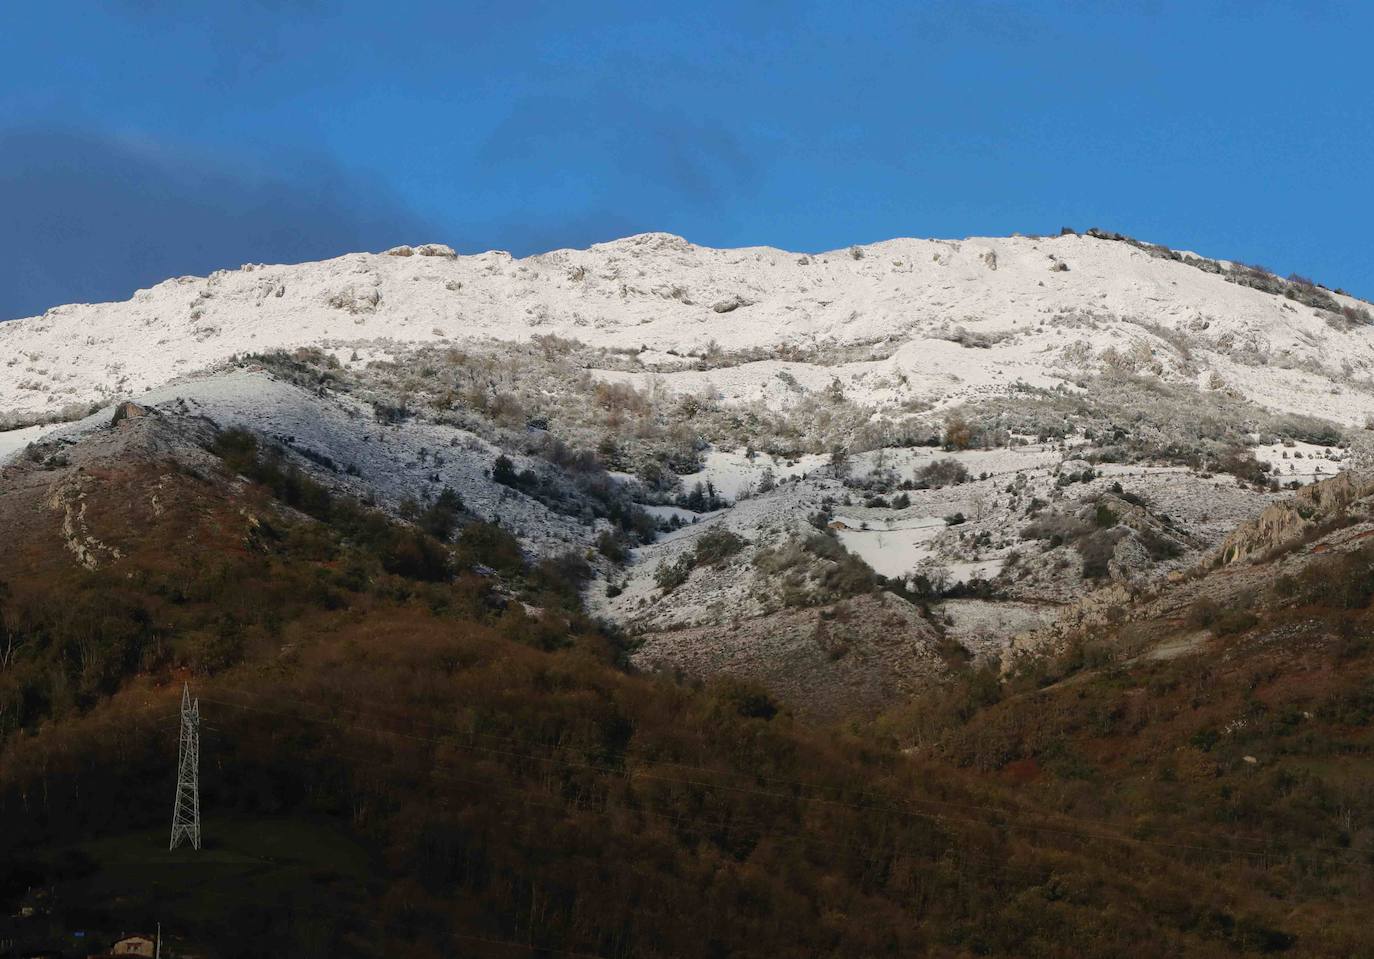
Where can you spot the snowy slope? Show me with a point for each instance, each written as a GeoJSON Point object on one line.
{"type": "Point", "coordinates": [860, 353]}
{"type": "Point", "coordinates": [898, 322]}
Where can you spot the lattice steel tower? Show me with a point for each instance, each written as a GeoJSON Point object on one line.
{"type": "Point", "coordinates": [186, 812]}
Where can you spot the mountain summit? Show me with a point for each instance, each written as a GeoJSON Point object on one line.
{"type": "Point", "coordinates": [896, 322]}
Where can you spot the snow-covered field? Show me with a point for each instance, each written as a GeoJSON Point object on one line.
{"type": "Point", "coordinates": [1301, 462]}
{"type": "Point", "coordinates": [996, 462]}
{"type": "Point", "coordinates": [892, 547]}
{"type": "Point", "coordinates": [13, 442]}
{"type": "Point", "coordinates": [734, 473]}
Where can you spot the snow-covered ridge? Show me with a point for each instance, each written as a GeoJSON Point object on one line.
{"type": "Point", "coordinates": [943, 320]}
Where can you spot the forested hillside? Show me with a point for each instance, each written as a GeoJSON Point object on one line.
{"type": "Point", "coordinates": [469, 768]}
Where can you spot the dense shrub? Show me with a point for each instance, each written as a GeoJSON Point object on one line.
{"type": "Point", "coordinates": [611, 544]}
{"type": "Point", "coordinates": [943, 472]}
{"type": "Point", "coordinates": [1344, 581]}
{"type": "Point", "coordinates": [669, 576]}
{"type": "Point", "coordinates": [816, 569]}
{"type": "Point", "coordinates": [715, 546]}
{"type": "Point", "coordinates": [702, 498]}
{"type": "Point", "coordinates": [1207, 613]}
{"type": "Point", "coordinates": [487, 544]}
{"type": "Point", "coordinates": [1234, 621]}
{"type": "Point", "coordinates": [1057, 528]}
{"type": "Point", "coordinates": [559, 580]}
{"type": "Point", "coordinates": [1159, 546]}
{"type": "Point", "coordinates": [1241, 463]}
{"type": "Point", "coordinates": [503, 472]}
{"type": "Point", "coordinates": [1357, 314]}
{"type": "Point", "coordinates": [1104, 516]}
{"type": "Point", "coordinates": [738, 697]}
{"type": "Point", "coordinates": [438, 518]}
{"type": "Point", "coordinates": [1203, 612]}
{"type": "Point", "coordinates": [1069, 477]}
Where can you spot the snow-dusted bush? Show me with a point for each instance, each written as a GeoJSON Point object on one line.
{"type": "Point", "coordinates": [942, 472]}
{"type": "Point", "coordinates": [815, 570]}
{"type": "Point", "coordinates": [716, 546]}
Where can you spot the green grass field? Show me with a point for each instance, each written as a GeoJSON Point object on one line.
{"type": "Point", "coordinates": [132, 882]}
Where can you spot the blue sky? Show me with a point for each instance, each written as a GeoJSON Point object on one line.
{"type": "Point", "coordinates": [146, 138]}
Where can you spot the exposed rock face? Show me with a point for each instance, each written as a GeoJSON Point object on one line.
{"type": "Point", "coordinates": [69, 498]}
{"type": "Point", "coordinates": [1097, 610]}
{"type": "Point", "coordinates": [127, 411]}
{"type": "Point", "coordinates": [1129, 560]}
{"type": "Point", "coordinates": [356, 301]}
{"type": "Point", "coordinates": [1282, 523]}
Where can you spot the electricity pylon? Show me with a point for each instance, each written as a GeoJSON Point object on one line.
{"type": "Point", "coordinates": [186, 812]}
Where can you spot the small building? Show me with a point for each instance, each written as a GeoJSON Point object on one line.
{"type": "Point", "coordinates": [137, 945]}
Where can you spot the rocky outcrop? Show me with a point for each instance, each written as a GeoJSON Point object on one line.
{"type": "Point", "coordinates": [425, 249]}
{"type": "Point", "coordinates": [1285, 522]}
{"type": "Point", "coordinates": [127, 411]}
{"type": "Point", "coordinates": [1095, 612]}
{"type": "Point", "coordinates": [1130, 560]}
{"type": "Point", "coordinates": [355, 301]}
{"type": "Point", "coordinates": [68, 497]}
{"type": "Point", "coordinates": [437, 249]}
{"type": "Point", "coordinates": [731, 303]}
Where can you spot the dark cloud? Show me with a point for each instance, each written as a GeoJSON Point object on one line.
{"type": "Point", "coordinates": [245, 38]}
{"type": "Point", "coordinates": [611, 146]}
{"type": "Point", "coordinates": [92, 218]}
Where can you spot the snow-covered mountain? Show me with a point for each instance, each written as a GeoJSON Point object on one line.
{"type": "Point", "coordinates": [863, 462]}
{"type": "Point", "coordinates": [896, 322]}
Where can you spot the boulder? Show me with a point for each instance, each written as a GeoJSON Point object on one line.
{"type": "Point", "coordinates": [1129, 560]}
{"type": "Point", "coordinates": [436, 249]}
{"type": "Point", "coordinates": [128, 411]}
{"type": "Point", "coordinates": [732, 303]}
